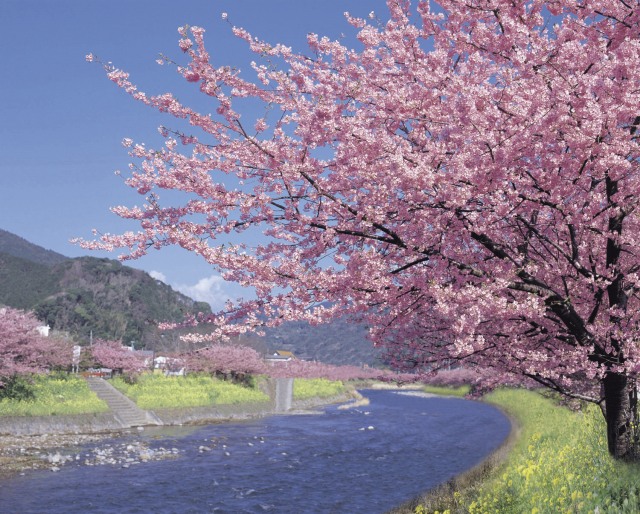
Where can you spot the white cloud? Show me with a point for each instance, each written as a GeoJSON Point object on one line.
{"type": "Point", "coordinates": [210, 289]}
{"type": "Point", "coordinates": [158, 275]}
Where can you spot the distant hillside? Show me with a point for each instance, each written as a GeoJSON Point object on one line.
{"type": "Point", "coordinates": [340, 342]}
{"type": "Point", "coordinates": [16, 246]}
{"type": "Point", "coordinates": [24, 283]}
{"type": "Point", "coordinates": [87, 295]}
{"type": "Point", "coordinates": [109, 300]}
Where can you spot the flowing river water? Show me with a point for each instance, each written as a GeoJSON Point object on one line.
{"type": "Point", "coordinates": [360, 460]}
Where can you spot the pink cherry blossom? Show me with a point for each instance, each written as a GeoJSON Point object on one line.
{"type": "Point", "coordinates": [465, 183]}
{"type": "Point", "coordinates": [23, 350]}
{"type": "Point", "coordinates": [225, 360]}
{"type": "Point", "coordinates": [112, 355]}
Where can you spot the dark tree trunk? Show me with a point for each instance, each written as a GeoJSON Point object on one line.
{"type": "Point", "coordinates": [621, 413]}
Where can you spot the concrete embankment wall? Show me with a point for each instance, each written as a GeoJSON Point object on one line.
{"type": "Point", "coordinates": [36, 425]}
{"type": "Point", "coordinates": [88, 423]}
{"type": "Point", "coordinates": [214, 413]}
{"type": "Point", "coordinates": [200, 415]}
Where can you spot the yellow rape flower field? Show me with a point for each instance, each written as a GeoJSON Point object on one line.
{"type": "Point", "coordinates": [200, 390]}
{"type": "Point", "coordinates": [558, 464]}
{"type": "Point", "coordinates": [55, 395]}
{"type": "Point", "coordinates": [195, 390]}
{"type": "Point", "coordinates": [305, 388]}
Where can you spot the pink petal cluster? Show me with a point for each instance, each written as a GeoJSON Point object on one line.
{"type": "Point", "coordinates": [310, 369]}
{"type": "Point", "coordinates": [23, 350]}
{"type": "Point", "coordinates": [112, 355]}
{"type": "Point", "coordinates": [225, 360]}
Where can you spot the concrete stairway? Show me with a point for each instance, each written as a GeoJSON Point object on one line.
{"type": "Point", "coordinates": [126, 411]}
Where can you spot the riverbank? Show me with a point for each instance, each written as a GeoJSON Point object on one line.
{"type": "Point", "coordinates": [555, 460]}
{"type": "Point", "coordinates": [445, 496]}
{"type": "Point", "coordinates": [48, 442]}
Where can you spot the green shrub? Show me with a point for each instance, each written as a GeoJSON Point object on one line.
{"type": "Point", "coordinates": [18, 388]}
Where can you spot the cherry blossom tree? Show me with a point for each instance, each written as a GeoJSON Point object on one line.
{"type": "Point", "coordinates": [465, 181]}
{"type": "Point", "coordinates": [228, 360]}
{"type": "Point", "coordinates": [23, 350]}
{"type": "Point", "coordinates": [111, 354]}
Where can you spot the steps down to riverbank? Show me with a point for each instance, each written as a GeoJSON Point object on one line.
{"type": "Point", "coordinates": [124, 410]}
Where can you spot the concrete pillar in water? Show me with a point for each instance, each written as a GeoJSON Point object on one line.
{"type": "Point", "coordinates": [284, 394]}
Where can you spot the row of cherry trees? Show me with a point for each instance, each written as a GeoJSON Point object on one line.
{"type": "Point", "coordinates": [24, 351]}
{"type": "Point", "coordinates": [233, 361]}
{"type": "Point", "coordinates": [113, 355]}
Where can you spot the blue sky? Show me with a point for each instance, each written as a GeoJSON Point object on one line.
{"type": "Point", "coordinates": [62, 121]}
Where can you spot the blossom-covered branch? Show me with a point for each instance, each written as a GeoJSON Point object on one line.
{"type": "Point", "coordinates": [466, 182]}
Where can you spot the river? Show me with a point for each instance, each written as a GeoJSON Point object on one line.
{"type": "Point", "coordinates": [360, 460]}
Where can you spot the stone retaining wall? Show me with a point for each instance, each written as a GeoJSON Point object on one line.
{"type": "Point", "coordinates": [193, 415]}
{"type": "Point", "coordinates": [201, 415]}
{"type": "Point", "coordinates": [80, 423]}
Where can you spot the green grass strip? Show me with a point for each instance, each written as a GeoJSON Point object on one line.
{"type": "Point", "coordinates": [195, 390]}
{"type": "Point", "coordinates": [57, 395]}
{"type": "Point", "coordinates": [557, 462]}
{"type": "Point", "coordinates": [306, 388]}
{"type": "Point", "coordinates": [460, 391]}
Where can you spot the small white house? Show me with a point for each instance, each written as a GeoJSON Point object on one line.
{"type": "Point", "coordinates": [43, 330]}
{"type": "Point", "coordinates": [280, 356]}
{"type": "Point", "coordinates": [169, 366]}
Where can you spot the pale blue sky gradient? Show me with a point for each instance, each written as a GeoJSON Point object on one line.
{"type": "Point", "coordinates": [62, 121]}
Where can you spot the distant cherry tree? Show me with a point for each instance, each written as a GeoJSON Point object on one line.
{"type": "Point", "coordinates": [112, 355]}
{"type": "Point", "coordinates": [24, 350]}
{"type": "Point", "coordinates": [466, 181]}
{"type": "Point", "coordinates": [227, 360]}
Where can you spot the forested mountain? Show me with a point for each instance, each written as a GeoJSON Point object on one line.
{"type": "Point", "coordinates": [18, 247]}
{"type": "Point", "coordinates": [24, 283]}
{"type": "Point", "coordinates": [109, 300]}
{"type": "Point", "coordinates": [87, 296]}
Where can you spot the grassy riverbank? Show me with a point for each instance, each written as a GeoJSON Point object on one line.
{"type": "Point", "coordinates": [557, 462]}
{"type": "Point", "coordinates": [54, 395]}
{"type": "Point", "coordinates": [160, 392]}
{"type": "Point", "coordinates": [306, 388]}
{"type": "Point", "coordinates": [65, 394]}
{"type": "Point", "coordinates": [198, 390]}
{"type": "Point", "coordinates": [460, 391]}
